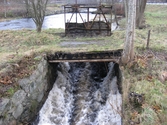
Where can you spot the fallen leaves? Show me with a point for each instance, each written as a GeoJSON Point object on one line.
{"type": "Point", "coordinates": [140, 60]}
{"type": "Point", "coordinates": [16, 71]}
{"type": "Point", "coordinates": [6, 80]}
{"type": "Point", "coordinates": [156, 108]}
{"type": "Point", "coordinates": [149, 78]}
{"type": "Point", "coordinates": [134, 114]}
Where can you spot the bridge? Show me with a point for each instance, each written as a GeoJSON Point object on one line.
{"type": "Point", "coordinates": [104, 56]}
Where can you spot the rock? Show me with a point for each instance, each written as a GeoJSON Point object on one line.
{"type": "Point", "coordinates": [18, 111]}
{"type": "Point", "coordinates": [24, 104]}
{"type": "Point", "coordinates": [34, 75]}
{"type": "Point", "coordinates": [40, 96]}
{"type": "Point", "coordinates": [24, 84]}
{"type": "Point", "coordinates": [3, 103]}
{"type": "Point", "coordinates": [13, 122]}
{"type": "Point", "coordinates": [163, 76]}
{"type": "Point", "coordinates": [39, 80]}
{"type": "Point", "coordinates": [18, 97]}
{"type": "Point", "coordinates": [42, 66]}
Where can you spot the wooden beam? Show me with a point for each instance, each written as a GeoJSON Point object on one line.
{"type": "Point", "coordinates": [86, 60]}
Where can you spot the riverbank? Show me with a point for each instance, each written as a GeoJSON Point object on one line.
{"type": "Point", "coordinates": [12, 12]}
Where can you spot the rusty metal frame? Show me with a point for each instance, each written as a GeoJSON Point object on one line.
{"type": "Point", "coordinates": [87, 25]}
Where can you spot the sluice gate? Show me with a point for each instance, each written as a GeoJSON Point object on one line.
{"type": "Point", "coordinates": [100, 24]}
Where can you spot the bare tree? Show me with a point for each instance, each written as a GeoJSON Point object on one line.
{"type": "Point", "coordinates": [128, 53]}
{"type": "Point", "coordinates": [38, 9]}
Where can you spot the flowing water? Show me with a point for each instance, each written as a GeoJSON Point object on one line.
{"type": "Point", "coordinates": [83, 94]}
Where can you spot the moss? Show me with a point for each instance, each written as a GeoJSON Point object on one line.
{"type": "Point", "coordinates": [34, 106]}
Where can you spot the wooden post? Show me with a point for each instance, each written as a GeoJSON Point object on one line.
{"type": "Point", "coordinates": [148, 39]}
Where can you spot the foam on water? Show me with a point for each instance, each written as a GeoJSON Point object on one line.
{"type": "Point", "coordinates": [74, 99]}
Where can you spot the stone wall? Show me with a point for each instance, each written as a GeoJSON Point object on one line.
{"type": "Point", "coordinates": [24, 105]}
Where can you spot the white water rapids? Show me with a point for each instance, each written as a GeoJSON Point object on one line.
{"type": "Point", "coordinates": [80, 97]}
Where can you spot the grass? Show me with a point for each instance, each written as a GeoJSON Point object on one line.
{"type": "Point", "coordinates": [143, 75]}
{"type": "Point", "coordinates": [140, 76]}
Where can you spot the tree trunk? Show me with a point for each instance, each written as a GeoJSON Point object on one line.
{"type": "Point", "coordinates": [140, 8]}
{"type": "Point", "coordinates": [128, 53]}
{"type": "Point", "coordinates": [126, 8]}
{"type": "Point", "coordinates": [38, 8]}
{"type": "Point", "coordinates": [5, 4]}
{"type": "Point", "coordinates": [27, 7]}
{"type": "Point", "coordinates": [38, 28]}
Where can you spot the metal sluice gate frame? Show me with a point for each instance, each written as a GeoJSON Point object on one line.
{"type": "Point", "coordinates": [87, 26]}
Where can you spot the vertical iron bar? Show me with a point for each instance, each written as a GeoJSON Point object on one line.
{"type": "Point", "coordinates": [88, 17]}
{"type": "Point", "coordinates": [82, 20]}
{"type": "Point", "coordinates": [65, 18]}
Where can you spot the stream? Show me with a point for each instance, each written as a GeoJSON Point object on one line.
{"type": "Point", "coordinates": [83, 94]}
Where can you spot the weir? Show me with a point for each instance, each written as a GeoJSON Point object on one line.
{"type": "Point", "coordinates": [105, 56]}
{"type": "Point", "coordinates": [84, 93]}
{"type": "Point", "coordinates": [87, 89]}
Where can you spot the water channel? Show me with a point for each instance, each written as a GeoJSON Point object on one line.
{"type": "Point", "coordinates": [84, 94]}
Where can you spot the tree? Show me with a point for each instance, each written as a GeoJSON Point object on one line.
{"type": "Point", "coordinates": [140, 8]}
{"type": "Point", "coordinates": [5, 5]}
{"type": "Point", "coordinates": [128, 53]}
{"type": "Point", "coordinates": [27, 7]}
{"type": "Point", "coordinates": [38, 9]}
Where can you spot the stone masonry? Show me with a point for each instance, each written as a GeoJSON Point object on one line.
{"type": "Point", "coordinates": [24, 105]}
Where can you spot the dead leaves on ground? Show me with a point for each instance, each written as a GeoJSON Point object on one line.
{"type": "Point", "coordinates": [19, 70]}
{"type": "Point", "coordinates": [149, 78]}
{"type": "Point", "coordinates": [156, 108]}
{"type": "Point", "coordinates": [140, 60]}
{"type": "Point", "coordinates": [6, 80]}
